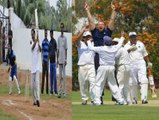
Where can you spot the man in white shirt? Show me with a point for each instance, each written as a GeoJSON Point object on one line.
{"type": "Point", "coordinates": [138, 75]}
{"type": "Point", "coordinates": [35, 79]}
{"type": "Point", "coordinates": [62, 61]}
{"type": "Point", "coordinates": [122, 64]}
{"type": "Point", "coordinates": [106, 69]}
{"type": "Point", "coordinates": [86, 71]}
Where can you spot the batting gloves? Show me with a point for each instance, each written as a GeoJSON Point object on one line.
{"type": "Point", "coordinates": [133, 48]}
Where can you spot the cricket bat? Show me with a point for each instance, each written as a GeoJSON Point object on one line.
{"type": "Point", "coordinates": [36, 22]}
{"type": "Point", "coordinates": [151, 83]}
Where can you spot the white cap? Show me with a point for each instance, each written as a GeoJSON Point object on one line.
{"type": "Point", "coordinates": [87, 33]}
{"type": "Point", "coordinates": [116, 40]}
{"type": "Point", "coordinates": [132, 33]}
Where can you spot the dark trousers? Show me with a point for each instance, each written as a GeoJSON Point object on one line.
{"type": "Point", "coordinates": [53, 81]}
{"type": "Point", "coordinates": [10, 43]}
{"type": "Point", "coordinates": [3, 51]}
{"type": "Point", "coordinates": [96, 62]}
{"type": "Point", "coordinates": [44, 75]}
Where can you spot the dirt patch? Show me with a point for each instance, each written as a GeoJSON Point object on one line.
{"type": "Point", "coordinates": [51, 109]}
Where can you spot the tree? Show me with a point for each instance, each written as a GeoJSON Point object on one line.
{"type": "Point", "coordinates": [49, 17]}
{"type": "Point", "coordinates": [62, 14]}
{"type": "Point", "coordinates": [133, 15]}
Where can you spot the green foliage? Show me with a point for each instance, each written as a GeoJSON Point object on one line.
{"type": "Point", "coordinates": [49, 17]}
{"type": "Point", "coordinates": [135, 15]}
{"type": "Point", "coordinates": [6, 116]}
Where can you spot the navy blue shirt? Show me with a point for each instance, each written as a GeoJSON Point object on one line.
{"type": "Point", "coordinates": [52, 50]}
{"type": "Point", "coordinates": [45, 49]}
{"type": "Point", "coordinates": [12, 58]}
{"type": "Point", "coordinates": [98, 36]}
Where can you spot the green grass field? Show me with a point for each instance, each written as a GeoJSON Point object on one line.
{"type": "Point", "coordinates": [6, 116]}
{"type": "Point", "coordinates": [113, 112]}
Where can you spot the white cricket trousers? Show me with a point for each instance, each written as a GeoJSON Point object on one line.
{"type": "Point", "coordinates": [138, 77]}
{"type": "Point", "coordinates": [123, 75]}
{"type": "Point", "coordinates": [62, 76]}
{"type": "Point", "coordinates": [106, 73]}
{"type": "Point", "coordinates": [35, 86]}
{"type": "Point", "coordinates": [86, 77]}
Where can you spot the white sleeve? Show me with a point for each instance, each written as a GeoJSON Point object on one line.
{"type": "Point", "coordinates": [120, 43]}
{"type": "Point", "coordinates": [127, 47]}
{"type": "Point", "coordinates": [121, 40]}
{"type": "Point", "coordinates": [144, 51]}
{"type": "Point", "coordinates": [93, 48]}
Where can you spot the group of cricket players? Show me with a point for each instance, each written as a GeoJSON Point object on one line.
{"type": "Point", "coordinates": [54, 54]}
{"type": "Point", "coordinates": [103, 59]}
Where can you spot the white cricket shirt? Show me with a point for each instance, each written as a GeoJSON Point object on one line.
{"type": "Point", "coordinates": [122, 57]}
{"type": "Point", "coordinates": [138, 54]}
{"type": "Point", "coordinates": [35, 58]}
{"type": "Point", "coordinates": [106, 53]}
{"type": "Point", "coordinates": [85, 55]}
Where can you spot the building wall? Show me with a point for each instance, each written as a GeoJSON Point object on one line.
{"type": "Point", "coordinates": [22, 48]}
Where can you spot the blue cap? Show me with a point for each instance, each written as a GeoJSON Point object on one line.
{"type": "Point", "coordinates": [107, 40]}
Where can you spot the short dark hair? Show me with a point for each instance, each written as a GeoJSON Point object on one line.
{"type": "Point", "coordinates": [32, 30]}
{"type": "Point", "coordinates": [45, 30]}
{"type": "Point", "coordinates": [51, 31]}
{"type": "Point", "coordinates": [62, 25]}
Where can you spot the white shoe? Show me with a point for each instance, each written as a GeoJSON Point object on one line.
{"type": "Point", "coordinates": [126, 103]}
{"type": "Point", "coordinates": [64, 94]}
{"type": "Point", "coordinates": [134, 101]}
{"type": "Point", "coordinates": [84, 102]}
{"type": "Point", "coordinates": [95, 104]}
{"type": "Point", "coordinates": [19, 92]}
{"type": "Point", "coordinates": [154, 95]}
{"type": "Point", "coordinates": [10, 93]}
{"type": "Point", "coordinates": [56, 94]}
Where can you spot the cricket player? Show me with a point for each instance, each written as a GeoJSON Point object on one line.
{"type": "Point", "coordinates": [106, 69]}
{"type": "Point", "coordinates": [45, 62]}
{"type": "Point", "coordinates": [86, 71]}
{"type": "Point", "coordinates": [122, 66]}
{"type": "Point", "coordinates": [138, 75]}
{"type": "Point", "coordinates": [99, 32]}
{"type": "Point", "coordinates": [12, 69]}
{"type": "Point", "coordinates": [35, 70]}
{"type": "Point", "coordinates": [62, 61]}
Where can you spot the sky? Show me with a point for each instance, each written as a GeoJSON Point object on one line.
{"type": "Point", "coordinates": [53, 2]}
